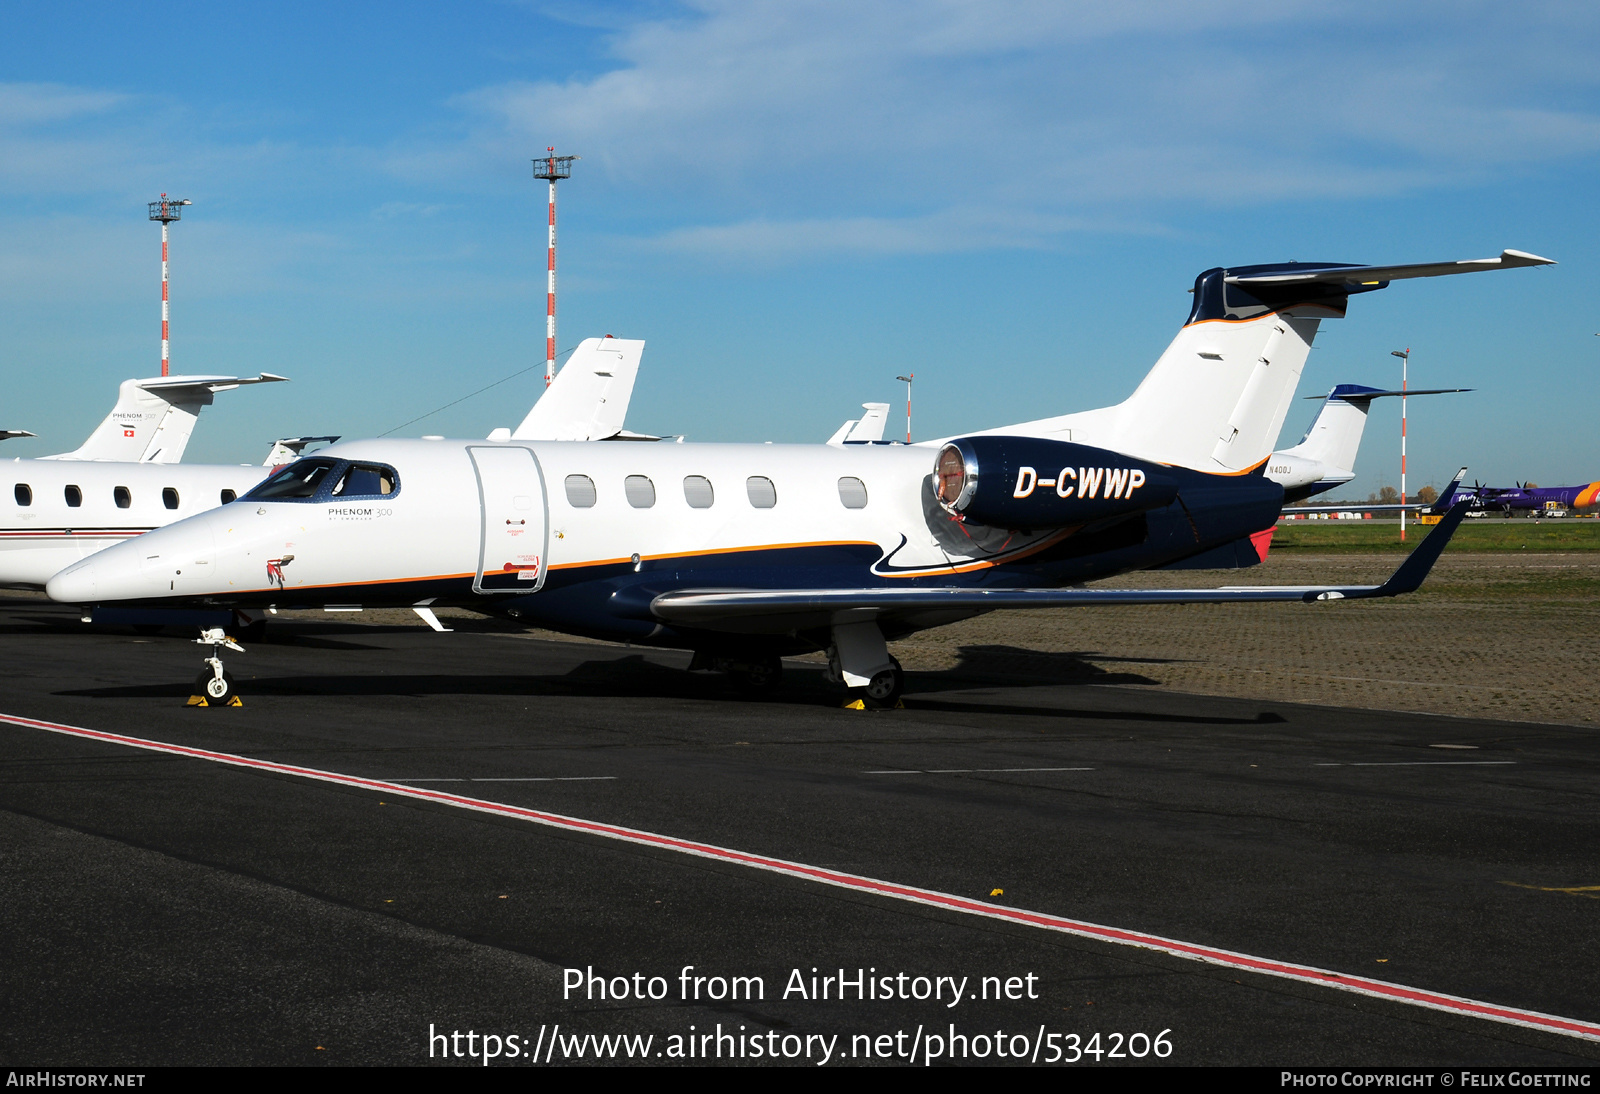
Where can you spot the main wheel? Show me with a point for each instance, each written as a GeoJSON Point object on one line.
{"type": "Point", "coordinates": [217, 692]}
{"type": "Point", "coordinates": [758, 676]}
{"type": "Point", "coordinates": [884, 689]}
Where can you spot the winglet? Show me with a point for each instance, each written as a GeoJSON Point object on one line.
{"type": "Point", "coordinates": [1446, 494]}
{"type": "Point", "coordinates": [1409, 577]}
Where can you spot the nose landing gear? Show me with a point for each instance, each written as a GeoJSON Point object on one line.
{"type": "Point", "coordinates": [214, 686]}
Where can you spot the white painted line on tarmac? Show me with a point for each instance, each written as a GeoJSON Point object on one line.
{"type": "Point", "coordinates": [1429, 763]}
{"type": "Point", "coordinates": [973, 770]}
{"type": "Point", "coordinates": [552, 779]}
{"type": "Point", "coordinates": [527, 779]}
{"type": "Point", "coordinates": [1308, 974]}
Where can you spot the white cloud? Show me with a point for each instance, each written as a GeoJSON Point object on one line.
{"type": "Point", "coordinates": [391, 210]}
{"type": "Point", "coordinates": [871, 125]}
{"type": "Point", "coordinates": [34, 104]}
{"type": "Point", "coordinates": [943, 232]}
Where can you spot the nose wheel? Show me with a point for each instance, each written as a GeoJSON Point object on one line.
{"type": "Point", "coordinates": [214, 686]}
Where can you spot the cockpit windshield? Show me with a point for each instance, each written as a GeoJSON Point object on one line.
{"type": "Point", "coordinates": [326, 478]}
{"type": "Point", "coordinates": [299, 480]}
{"type": "Point", "coordinates": [365, 480]}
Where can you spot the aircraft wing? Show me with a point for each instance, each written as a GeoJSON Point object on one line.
{"type": "Point", "coordinates": [1368, 275]}
{"type": "Point", "coordinates": [1386, 507]}
{"type": "Point", "coordinates": [754, 611]}
{"type": "Point", "coordinates": [1356, 507]}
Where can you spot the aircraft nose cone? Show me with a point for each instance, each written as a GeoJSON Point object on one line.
{"type": "Point", "coordinates": [74, 585]}
{"type": "Point", "coordinates": [171, 561]}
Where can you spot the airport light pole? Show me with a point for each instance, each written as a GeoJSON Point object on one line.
{"type": "Point", "coordinates": [1405, 364]}
{"type": "Point", "coordinates": [166, 212]}
{"type": "Point", "coordinates": [907, 381]}
{"type": "Point", "coordinates": [551, 168]}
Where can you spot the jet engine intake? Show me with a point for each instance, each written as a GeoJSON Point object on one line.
{"type": "Point", "coordinates": [1028, 482]}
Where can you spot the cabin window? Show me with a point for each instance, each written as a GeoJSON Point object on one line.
{"type": "Point", "coordinates": [697, 492]}
{"type": "Point", "coordinates": [581, 493]}
{"type": "Point", "coordinates": [123, 496]}
{"type": "Point", "coordinates": [366, 480]}
{"type": "Point", "coordinates": [73, 495]}
{"type": "Point", "coordinates": [227, 496]}
{"type": "Point", "coordinates": [640, 491]}
{"type": "Point", "coordinates": [23, 493]}
{"type": "Point", "coordinates": [169, 497]}
{"type": "Point", "coordinates": [852, 492]}
{"type": "Point", "coordinates": [763, 495]}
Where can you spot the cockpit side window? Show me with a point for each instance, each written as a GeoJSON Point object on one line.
{"type": "Point", "coordinates": [300, 479]}
{"type": "Point", "coordinates": [367, 480]}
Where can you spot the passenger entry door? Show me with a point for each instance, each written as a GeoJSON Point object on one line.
{"type": "Point", "coordinates": [514, 545]}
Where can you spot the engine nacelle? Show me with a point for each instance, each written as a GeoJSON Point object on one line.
{"type": "Point", "coordinates": [1027, 482]}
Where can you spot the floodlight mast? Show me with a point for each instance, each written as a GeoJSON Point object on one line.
{"type": "Point", "coordinates": [166, 211]}
{"type": "Point", "coordinates": [551, 168]}
{"type": "Point", "coordinates": [1405, 366]}
{"type": "Point", "coordinates": [907, 381]}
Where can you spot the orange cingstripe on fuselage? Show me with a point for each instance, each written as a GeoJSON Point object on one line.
{"type": "Point", "coordinates": [716, 551]}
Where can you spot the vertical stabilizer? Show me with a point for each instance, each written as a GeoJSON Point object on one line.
{"type": "Point", "coordinates": [589, 397]}
{"type": "Point", "coordinates": [1217, 397]}
{"type": "Point", "coordinates": [1326, 455]}
{"type": "Point", "coordinates": [871, 425]}
{"type": "Point", "coordinates": [1335, 436]}
{"type": "Point", "coordinates": [154, 418]}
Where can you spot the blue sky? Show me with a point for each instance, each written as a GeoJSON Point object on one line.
{"type": "Point", "coordinates": [793, 202]}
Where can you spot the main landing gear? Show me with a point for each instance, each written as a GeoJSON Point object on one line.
{"type": "Point", "coordinates": [752, 675]}
{"type": "Point", "coordinates": [860, 660]}
{"type": "Point", "coordinates": [214, 686]}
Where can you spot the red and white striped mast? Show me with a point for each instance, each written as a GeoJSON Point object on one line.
{"type": "Point", "coordinates": [551, 168]}
{"type": "Point", "coordinates": [907, 381]}
{"type": "Point", "coordinates": [1405, 367]}
{"type": "Point", "coordinates": [166, 212]}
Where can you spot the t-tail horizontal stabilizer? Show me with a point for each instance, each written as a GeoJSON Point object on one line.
{"type": "Point", "coordinates": [1372, 275]}
{"type": "Point", "coordinates": [153, 418]}
{"type": "Point", "coordinates": [781, 611]}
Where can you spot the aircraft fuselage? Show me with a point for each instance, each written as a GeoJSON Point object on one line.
{"type": "Point", "coordinates": [581, 537]}
{"type": "Point", "coordinates": [55, 512]}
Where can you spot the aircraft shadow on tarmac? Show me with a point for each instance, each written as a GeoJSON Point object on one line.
{"type": "Point", "coordinates": [1014, 667]}
{"type": "Point", "coordinates": [635, 676]}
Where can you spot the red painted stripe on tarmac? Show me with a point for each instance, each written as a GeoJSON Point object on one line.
{"type": "Point", "coordinates": [1360, 985]}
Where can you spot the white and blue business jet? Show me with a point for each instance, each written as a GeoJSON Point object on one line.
{"type": "Point", "coordinates": [746, 552]}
